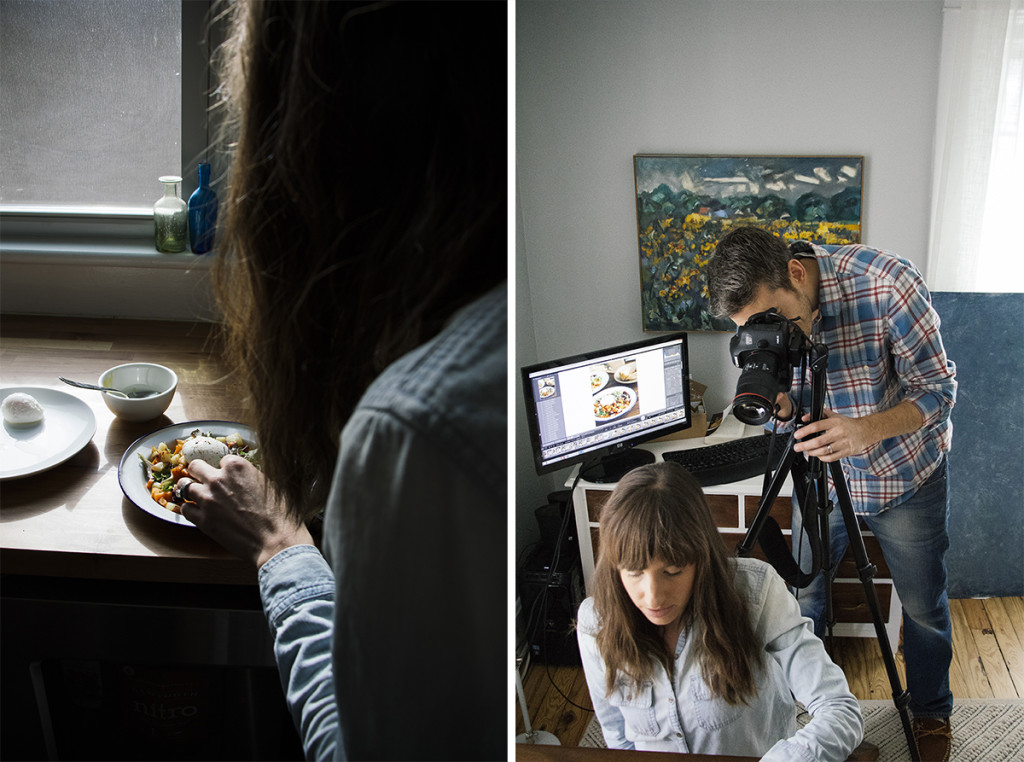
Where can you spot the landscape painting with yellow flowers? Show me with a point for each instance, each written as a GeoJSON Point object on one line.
{"type": "Point", "coordinates": [684, 204]}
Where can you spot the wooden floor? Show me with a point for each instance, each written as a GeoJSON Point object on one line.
{"type": "Point", "coordinates": [988, 662]}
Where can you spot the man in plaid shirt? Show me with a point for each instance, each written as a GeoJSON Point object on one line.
{"type": "Point", "coordinates": [890, 389]}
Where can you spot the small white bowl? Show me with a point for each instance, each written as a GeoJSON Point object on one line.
{"type": "Point", "coordinates": [139, 376]}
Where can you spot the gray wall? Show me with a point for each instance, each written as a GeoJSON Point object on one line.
{"type": "Point", "coordinates": [597, 82]}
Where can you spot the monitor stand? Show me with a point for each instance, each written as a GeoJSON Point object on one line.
{"type": "Point", "coordinates": [611, 468]}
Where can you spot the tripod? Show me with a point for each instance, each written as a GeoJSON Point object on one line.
{"type": "Point", "coordinates": [810, 483]}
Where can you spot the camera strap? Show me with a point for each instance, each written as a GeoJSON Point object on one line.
{"type": "Point", "coordinates": [780, 556]}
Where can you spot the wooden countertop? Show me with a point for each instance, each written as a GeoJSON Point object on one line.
{"type": "Point", "coordinates": [73, 520]}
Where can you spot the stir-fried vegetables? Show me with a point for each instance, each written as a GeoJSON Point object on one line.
{"type": "Point", "coordinates": [612, 403]}
{"type": "Point", "coordinates": [165, 466]}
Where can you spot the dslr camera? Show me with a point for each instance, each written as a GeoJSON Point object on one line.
{"type": "Point", "coordinates": [765, 349]}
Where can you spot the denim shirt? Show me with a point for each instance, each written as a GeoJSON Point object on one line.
{"type": "Point", "coordinates": [297, 588]}
{"type": "Point", "coordinates": [678, 713]}
{"type": "Point", "coordinates": [404, 626]}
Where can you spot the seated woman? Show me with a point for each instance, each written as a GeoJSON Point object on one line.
{"type": "Point", "coordinates": [688, 650]}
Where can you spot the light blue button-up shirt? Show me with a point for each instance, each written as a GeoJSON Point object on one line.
{"type": "Point", "coordinates": [678, 713]}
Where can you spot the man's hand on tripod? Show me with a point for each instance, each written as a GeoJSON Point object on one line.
{"type": "Point", "coordinates": [833, 437]}
{"type": "Point", "coordinates": [837, 436]}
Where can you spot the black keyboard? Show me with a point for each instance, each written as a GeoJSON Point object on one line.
{"type": "Point", "coordinates": [728, 461]}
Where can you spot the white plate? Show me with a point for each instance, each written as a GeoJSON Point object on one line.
{"type": "Point", "coordinates": [625, 391]}
{"type": "Point", "coordinates": [630, 368]}
{"type": "Point", "coordinates": [598, 374]}
{"type": "Point", "coordinates": [131, 472]}
{"type": "Point", "coordinates": [67, 427]}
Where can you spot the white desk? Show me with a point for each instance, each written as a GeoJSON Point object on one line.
{"type": "Point", "coordinates": [733, 508]}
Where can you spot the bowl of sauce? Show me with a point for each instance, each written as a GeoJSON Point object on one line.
{"type": "Point", "coordinates": [150, 389]}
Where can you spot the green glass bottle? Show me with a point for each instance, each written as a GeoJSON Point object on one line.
{"type": "Point", "coordinates": [170, 217]}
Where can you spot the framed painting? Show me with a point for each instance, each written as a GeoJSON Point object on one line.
{"type": "Point", "coordinates": [685, 204]}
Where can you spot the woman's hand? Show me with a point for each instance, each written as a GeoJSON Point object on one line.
{"type": "Point", "coordinates": [235, 506]}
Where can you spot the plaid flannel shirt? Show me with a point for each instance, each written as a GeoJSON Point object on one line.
{"type": "Point", "coordinates": [877, 320]}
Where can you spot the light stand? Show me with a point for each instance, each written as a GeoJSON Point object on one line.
{"type": "Point", "coordinates": [811, 486]}
{"type": "Point", "coordinates": [531, 735]}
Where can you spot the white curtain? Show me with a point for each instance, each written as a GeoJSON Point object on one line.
{"type": "Point", "coordinates": [977, 239]}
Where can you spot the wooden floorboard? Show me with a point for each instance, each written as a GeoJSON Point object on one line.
{"type": "Point", "coordinates": [862, 661]}
{"type": "Point", "coordinates": [1015, 608]}
{"type": "Point", "coordinates": [966, 656]}
{"type": "Point", "coordinates": [565, 716]}
{"type": "Point", "coordinates": [989, 655]}
{"type": "Point", "coordinates": [988, 662]}
{"type": "Point", "coordinates": [1011, 644]}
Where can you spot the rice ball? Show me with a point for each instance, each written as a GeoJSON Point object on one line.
{"type": "Point", "coordinates": [206, 449]}
{"type": "Point", "coordinates": [21, 409]}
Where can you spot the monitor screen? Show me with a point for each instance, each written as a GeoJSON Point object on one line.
{"type": "Point", "coordinates": [600, 404]}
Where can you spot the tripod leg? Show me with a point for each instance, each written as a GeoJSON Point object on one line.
{"type": "Point", "coordinates": [866, 571]}
{"type": "Point", "coordinates": [764, 507]}
{"type": "Point", "coordinates": [828, 568]}
{"type": "Point", "coordinates": [777, 552]}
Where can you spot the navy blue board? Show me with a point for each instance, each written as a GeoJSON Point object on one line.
{"type": "Point", "coordinates": [984, 335]}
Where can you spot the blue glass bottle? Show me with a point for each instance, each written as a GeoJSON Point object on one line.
{"type": "Point", "coordinates": [202, 214]}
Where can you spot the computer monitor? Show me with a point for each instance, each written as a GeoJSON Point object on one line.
{"type": "Point", "coordinates": [593, 408]}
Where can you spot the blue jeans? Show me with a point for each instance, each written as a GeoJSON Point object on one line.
{"type": "Point", "coordinates": [914, 542]}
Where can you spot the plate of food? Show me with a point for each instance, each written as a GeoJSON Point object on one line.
{"type": "Point", "coordinates": [626, 373]}
{"type": "Point", "coordinates": [598, 378]}
{"type": "Point", "coordinates": [613, 403]}
{"type": "Point", "coordinates": [41, 429]}
{"type": "Point", "coordinates": [151, 468]}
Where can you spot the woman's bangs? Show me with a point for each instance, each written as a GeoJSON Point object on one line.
{"type": "Point", "coordinates": [652, 532]}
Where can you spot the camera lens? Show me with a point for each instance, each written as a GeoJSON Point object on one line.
{"type": "Point", "coordinates": [756, 390]}
{"type": "Point", "coordinates": [752, 410]}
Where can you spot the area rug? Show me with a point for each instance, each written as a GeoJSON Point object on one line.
{"type": "Point", "coordinates": [984, 730]}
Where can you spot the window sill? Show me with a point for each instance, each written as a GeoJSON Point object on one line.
{"type": "Point", "coordinates": [108, 255]}
{"type": "Point", "coordinates": [98, 266]}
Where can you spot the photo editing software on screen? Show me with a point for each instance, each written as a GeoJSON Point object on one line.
{"type": "Point", "coordinates": [632, 393]}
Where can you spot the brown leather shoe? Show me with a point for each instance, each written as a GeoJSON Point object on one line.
{"type": "Point", "coordinates": [934, 738]}
{"type": "Point", "coordinates": [866, 752]}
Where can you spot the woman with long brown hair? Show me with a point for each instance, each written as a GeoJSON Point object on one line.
{"type": "Point", "coordinates": [688, 650]}
{"type": "Point", "coordinates": [361, 271]}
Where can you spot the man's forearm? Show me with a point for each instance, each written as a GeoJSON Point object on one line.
{"type": "Point", "coordinates": [901, 419]}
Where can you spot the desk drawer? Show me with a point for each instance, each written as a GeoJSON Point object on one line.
{"type": "Point", "coordinates": [850, 601]}
{"type": "Point", "coordinates": [724, 508]}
